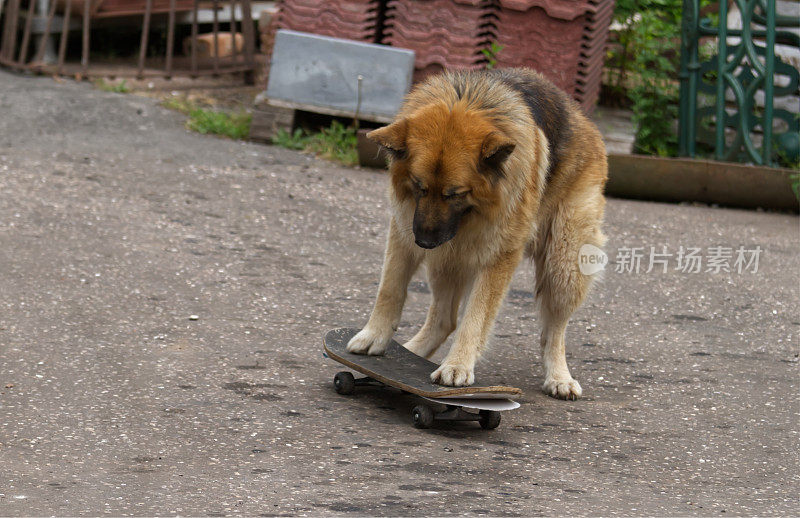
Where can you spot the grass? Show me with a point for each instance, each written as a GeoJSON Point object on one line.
{"type": "Point", "coordinates": [337, 142]}
{"type": "Point", "coordinates": [118, 88]}
{"type": "Point", "coordinates": [235, 125]}
{"type": "Point", "coordinates": [231, 125]}
{"type": "Point", "coordinates": [794, 180]}
{"type": "Point", "coordinates": [179, 104]}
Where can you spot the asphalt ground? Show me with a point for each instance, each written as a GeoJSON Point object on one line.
{"type": "Point", "coordinates": [118, 227]}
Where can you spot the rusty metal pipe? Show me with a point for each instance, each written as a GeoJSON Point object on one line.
{"type": "Point", "coordinates": [62, 44]}
{"type": "Point", "coordinates": [85, 47]}
{"type": "Point", "coordinates": [170, 38]}
{"type": "Point", "coordinates": [26, 34]}
{"type": "Point", "coordinates": [249, 42]}
{"type": "Point", "coordinates": [215, 29]}
{"type": "Point", "coordinates": [46, 34]}
{"type": "Point", "coordinates": [148, 8]}
{"type": "Point", "coordinates": [194, 39]}
{"type": "Point", "coordinates": [234, 51]}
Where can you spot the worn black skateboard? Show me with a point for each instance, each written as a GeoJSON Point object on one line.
{"type": "Point", "coordinates": [400, 368]}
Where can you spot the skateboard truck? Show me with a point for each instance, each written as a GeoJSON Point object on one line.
{"type": "Point", "coordinates": [345, 383]}
{"type": "Point", "coordinates": [422, 415]}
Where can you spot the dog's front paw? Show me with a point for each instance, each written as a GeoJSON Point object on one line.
{"type": "Point", "coordinates": [369, 341]}
{"type": "Point", "coordinates": [454, 375]}
{"type": "Point", "coordinates": [420, 348]}
{"type": "Point", "coordinates": [562, 388]}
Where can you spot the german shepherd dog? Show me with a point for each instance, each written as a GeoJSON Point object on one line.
{"type": "Point", "coordinates": [487, 167]}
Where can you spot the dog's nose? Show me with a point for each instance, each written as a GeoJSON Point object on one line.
{"type": "Point", "coordinates": [426, 243]}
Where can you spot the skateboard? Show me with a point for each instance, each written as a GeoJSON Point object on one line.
{"type": "Point", "coordinates": [400, 368]}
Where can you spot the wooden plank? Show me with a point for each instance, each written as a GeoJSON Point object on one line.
{"type": "Point", "coordinates": [127, 71]}
{"type": "Point", "coordinates": [268, 120]}
{"type": "Point", "coordinates": [400, 368]}
{"type": "Point", "coordinates": [707, 181]}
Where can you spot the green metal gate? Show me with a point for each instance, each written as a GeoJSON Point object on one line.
{"type": "Point", "coordinates": [727, 106]}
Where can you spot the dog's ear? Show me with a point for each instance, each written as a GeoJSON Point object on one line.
{"type": "Point", "coordinates": [494, 152]}
{"type": "Point", "coordinates": [392, 137]}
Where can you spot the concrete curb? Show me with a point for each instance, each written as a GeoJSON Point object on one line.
{"type": "Point", "coordinates": [683, 179]}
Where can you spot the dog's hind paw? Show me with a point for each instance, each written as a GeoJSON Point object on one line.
{"type": "Point", "coordinates": [562, 388]}
{"type": "Point", "coordinates": [369, 342]}
{"type": "Point", "coordinates": [453, 375]}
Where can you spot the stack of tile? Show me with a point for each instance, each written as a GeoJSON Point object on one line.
{"type": "Point", "coordinates": [348, 19]}
{"type": "Point", "coordinates": [442, 33]}
{"type": "Point", "coordinates": [563, 39]}
{"type": "Point", "coordinates": [595, 37]}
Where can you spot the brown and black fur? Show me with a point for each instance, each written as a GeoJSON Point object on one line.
{"type": "Point", "coordinates": [488, 167]}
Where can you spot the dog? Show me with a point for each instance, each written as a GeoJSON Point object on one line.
{"type": "Point", "coordinates": [488, 167]}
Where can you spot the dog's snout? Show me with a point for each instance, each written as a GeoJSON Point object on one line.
{"type": "Point", "coordinates": [426, 243]}
{"type": "Point", "coordinates": [426, 237]}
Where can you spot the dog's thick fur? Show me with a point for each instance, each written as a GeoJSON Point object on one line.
{"type": "Point", "coordinates": [488, 167]}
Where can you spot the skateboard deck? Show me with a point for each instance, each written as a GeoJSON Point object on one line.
{"type": "Point", "coordinates": [400, 368]}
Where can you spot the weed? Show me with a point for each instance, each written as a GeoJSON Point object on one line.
{"type": "Point", "coordinates": [119, 88]}
{"type": "Point", "coordinates": [643, 68]}
{"type": "Point", "coordinates": [210, 122]}
{"type": "Point", "coordinates": [338, 142]}
{"type": "Point", "coordinates": [491, 54]}
{"type": "Point", "coordinates": [231, 125]}
{"type": "Point", "coordinates": [297, 140]}
{"type": "Point", "coordinates": [794, 180]}
{"type": "Point", "coordinates": [179, 104]}
{"type": "Point", "coordinates": [786, 159]}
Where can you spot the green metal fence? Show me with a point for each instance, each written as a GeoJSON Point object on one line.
{"type": "Point", "coordinates": [727, 107]}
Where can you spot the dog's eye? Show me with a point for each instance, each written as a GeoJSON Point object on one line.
{"type": "Point", "coordinates": [452, 195]}
{"type": "Point", "coordinates": [419, 185]}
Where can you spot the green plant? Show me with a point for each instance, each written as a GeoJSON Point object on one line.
{"type": "Point", "coordinates": [119, 88]}
{"type": "Point", "coordinates": [786, 147]}
{"type": "Point", "coordinates": [235, 125]}
{"type": "Point", "coordinates": [297, 140]}
{"type": "Point", "coordinates": [654, 92]}
{"type": "Point", "coordinates": [491, 54]}
{"type": "Point", "coordinates": [785, 160]}
{"type": "Point", "coordinates": [618, 58]}
{"type": "Point", "coordinates": [232, 125]}
{"type": "Point", "coordinates": [337, 142]}
{"type": "Point", "coordinates": [180, 104]}
{"type": "Point", "coordinates": [794, 179]}
{"type": "Point", "coordinates": [643, 69]}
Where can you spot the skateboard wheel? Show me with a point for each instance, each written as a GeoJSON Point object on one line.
{"type": "Point", "coordinates": [344, 383]}
{"type": "Point", "coordinates": [489, 419]}
{"type": "Point", "coordinates": [422, 416]}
